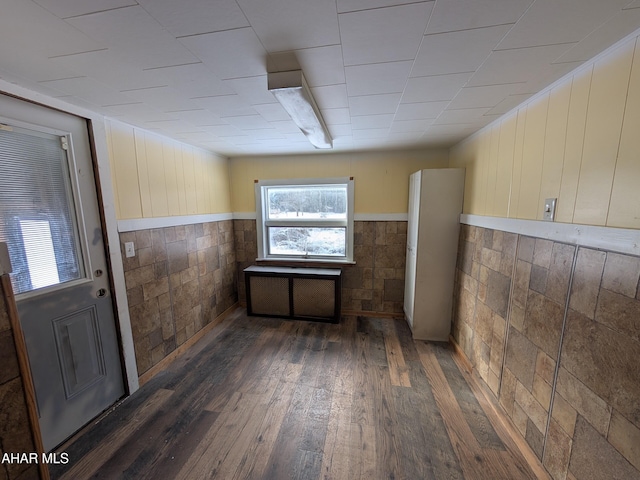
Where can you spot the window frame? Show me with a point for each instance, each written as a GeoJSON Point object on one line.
{"type": "Point", "coordinates": [263, 222]}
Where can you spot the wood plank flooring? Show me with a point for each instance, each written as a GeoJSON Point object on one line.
{"type": "Point", "coordinates": [277, 399]}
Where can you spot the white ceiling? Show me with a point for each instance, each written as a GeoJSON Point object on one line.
{"type": "Point", "coordinates": [385, 73]}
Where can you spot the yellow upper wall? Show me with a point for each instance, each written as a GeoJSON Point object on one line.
{"type": "Point", "coordinates": [578, 142]}
{"type": "Point", "coordinates": [381, 179]}
{"type": "Point", "coordinates": [154, 176]}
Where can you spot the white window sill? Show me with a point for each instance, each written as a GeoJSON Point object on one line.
{"type": "Point", "coordinates": [313, 261]}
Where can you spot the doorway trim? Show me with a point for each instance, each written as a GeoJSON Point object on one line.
{"type": "Point", "coordinates": [106, 202]}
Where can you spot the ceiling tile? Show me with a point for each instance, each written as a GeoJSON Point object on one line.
{"type": "Point", "coordinates": [89, 90]}
{"type": "Point", "coordinates": [513, 66]}
{"type": "Point", "coordinates": [322, 65]}
{"type": "Point", "coordinates": [383, 34]}
{"type": "Point", "coordinates": [371, 121]}
{"type": "Point", "coordinates": [332, 96]}
{"type": "Point", "coordinates": [508, 104]}
{"type": "Point", "coordinates": [136, 113]}
{"type": "Point", "coordinates": [340, 131]}
{"type": "Point", "coordinates": [272, 112]}
{"type": "Point", "coordinates": [336, 116]}
{"type": "Point", "coordinates": [247, 57]}
{"type": "Point", "coordinates": [374, 104]}
{"type": "Point", "coordinates": [285, 126]}
{"type": "Point", "coordinates": [354, 5]}
{"type": "Point", "coordinates": [456, 15]}
{"type": "Point", "coordinates": [30, 69]}
{"type": "Point", "coordinates": [226, 105]}
{"type": "Point", "coordinates": [434, 88]}
{"type": "Point", "coordinates": [370, 133]}
{"type": "Point", "coordinates": [550, 22]}
{"type": "Point", "coordinates": [35, 31]}
{"type": "Point", "coordinates": [377, 78]}
{"type": "Point", "coordinates": [199, 117]}
{"type": "Point", "coordinates": [456, 52]}
{"type": "Point", "coordinates": [75, 8]}
{"type": "Point", "coordinates": [486, 96]}
{"type": "Point", "coordinates": [616, 28]}
{"type": "Point", "coordinates": [285, 25]}
{"type": "Point", "coordinates": [190, 17]}
{"type": "Point", "coordinates": [133, 33]}
{"type": "Point", "coordinates": [248, 122]}
{"type": "Point", "coordinates": [226, 131]}
{"type": "Point", "coordinates": [196, 79]}
{"type": "Point", "coordinates": [451, 129]}
{"type": "Point", "coordinates": [461, 116]}
{"type": "Point", "coordinates": [400, 126]}
{"type": "Point", "coordinates": [163, 98]}
{"type": "Point", "coordinates": [252, 90]}
{"type": "Point", "coordinates": [420, 111]}
{"type": "Point", "coordinates": [99, 65]}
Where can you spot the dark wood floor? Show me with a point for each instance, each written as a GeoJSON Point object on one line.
{"type": "Point", "coordinates": [275, 399]}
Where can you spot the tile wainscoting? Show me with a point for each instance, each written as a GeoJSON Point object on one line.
{"type": "Point", "coordinates": [553, 329]}
{"type": "Point", "coordinates": [181, 278]}
{"type": "Point", "coordinates": [375, 284]}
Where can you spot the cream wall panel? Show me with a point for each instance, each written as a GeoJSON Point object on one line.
{"type": "Point", "coordinates": [624, 210]}
{"type": "Point", "coordinates": [143, 173]}
{"type": "Point", "coordinates": [182, 191]}
{"type": "Point", "coordinates": [505, 166]}
{"type": "Point", "coordinates": [189, 180]}
{"type": "Point", "coordinates": [157, 176]}
{"type": "Point", "coordinates": [484, 155]}
{"type": "Point", "coordinates": [114, 182]}
{"type": "Point", "coordinates": [607, 100]}
{"type": "Point", "coordinates": [123, 153]}
{"type": "Point", "coordinates": [154, 176]}
{"type": "Point", "coordinates": [492, 169]}
{"type": "Point", "coordinates": [554, 143]}
{"type": "Point", "coordinates": [532, 157]}
{"type": "Point", "coordinates": [516, 173]}
{"type": "Point", "coordinates": [200, 172]}
{"type": "Point", "coordinates": [171, 181]}
{"type": "Point", "coordinates": [466, 160]}
{"type": "Point", "coordinates": [220, 186]}
{"type": "Point", "coordinates": [574, 145]}
{"type": "Point", "coordinates": [381, 178]}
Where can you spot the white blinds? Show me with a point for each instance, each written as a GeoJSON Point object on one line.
{"type": "Point", "coordinates": [37, 215]}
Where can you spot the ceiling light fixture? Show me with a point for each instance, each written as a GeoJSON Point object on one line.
{"type": "Point", "coordinates": [292, 91]}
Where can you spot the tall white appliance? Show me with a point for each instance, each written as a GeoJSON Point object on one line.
{"type": "Point", "coordinates": [435, 205]}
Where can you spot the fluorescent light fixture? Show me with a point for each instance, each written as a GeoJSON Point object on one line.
{"type": "Point", "coordinates": [292, 91]}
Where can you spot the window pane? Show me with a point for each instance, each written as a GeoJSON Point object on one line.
{"type": "Point", "coordinates": [37, 214]}
{"type": "Point", "coordinates": [307, 202]}
{"type": "Point", "coordinates": [312, 241]}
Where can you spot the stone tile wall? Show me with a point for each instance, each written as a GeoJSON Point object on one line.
{"type": "Point", "coordinates": [15, 433]}
{"type": "Point", "coordinates": [180, 279]}
{"type": "Point", "coordinates": [570, 376]}
{"type": "Point", "coordinates": [374, 284]}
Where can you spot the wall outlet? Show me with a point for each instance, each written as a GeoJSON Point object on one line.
{"type": "Point", "coordinates": [129, 250]}
{"type": "Point", "coordinates": [549, 212]}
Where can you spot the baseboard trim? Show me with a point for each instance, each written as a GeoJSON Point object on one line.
{"type": "Point", "coordinates": [178, 352]}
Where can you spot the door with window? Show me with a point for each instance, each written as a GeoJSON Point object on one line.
{"type": "Point", "coordinates": [49, 217]}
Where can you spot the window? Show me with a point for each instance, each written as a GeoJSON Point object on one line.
{"type": "Point", "coordinates": [37, 210]}
{"type": "Point", "coordinates": [309, 219]}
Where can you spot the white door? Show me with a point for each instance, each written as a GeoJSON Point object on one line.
{"type": "Point", "coordinates": [412, 242]}
{"type": "Point", "coordinates": [50, 219]}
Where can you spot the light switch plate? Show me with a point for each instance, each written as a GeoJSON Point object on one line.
{"type": "Point", "coordinates": [129, 250]}
{"type": "Point", "coordinates": [549, 212]}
